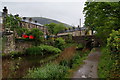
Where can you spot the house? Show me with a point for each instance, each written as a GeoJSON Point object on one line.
{"type": "Point", "coordinates": [29, 24]}
{"type": "Point", "coordinates": [24, 23]}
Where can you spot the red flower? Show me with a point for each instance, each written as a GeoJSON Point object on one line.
{"type": "Point", "coordinates": [31, 37]}
{"type": "Point", "coordinates": [25, 36]}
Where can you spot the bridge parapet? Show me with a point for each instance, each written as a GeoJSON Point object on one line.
{"type": "Point", "coordinates": [86, 40]}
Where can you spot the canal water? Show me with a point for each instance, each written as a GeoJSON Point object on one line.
{"type": "Point", "coordinates": [18, 67]}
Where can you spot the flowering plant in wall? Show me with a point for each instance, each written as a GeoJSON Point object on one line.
{"type": "Point", "coordinates": [26, 36]}
{"type": "Point", "coordinates": [31, 37]}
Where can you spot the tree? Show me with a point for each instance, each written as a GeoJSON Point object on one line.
{"type": "Point", "coordinates": [20, 31]}
{"type": "Point", "coordinates": [58, 28]}
{"type": "Point", "coordinates": [103, 17]}
{"type": "Point", "coordinates": [54, 28]}
{"type": "Point", "coordinates": [12, 22]}
{"type": "Point", "coordinates": [51, 27]}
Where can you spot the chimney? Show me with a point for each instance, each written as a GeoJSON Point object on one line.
{"type": "Point", "coordinates": [5, 12]}
{"type": "Point", "coordinates": [30, 19]}
{"type": "Point", "coordinates": [69, 28]}
{"type": "Point", "coordinates": [73, 28]}
{"type": "Point", "coordinates": [24, 18]}
{"type": "Point", "coordinates": [17, 15]}
{"type": "Point", "coordinates": [35, 21]}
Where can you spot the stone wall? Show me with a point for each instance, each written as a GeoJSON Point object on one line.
{"type": "Point", "coordinates": [20, 46]}
{"type": "Point", "coordinates": [10, 45]}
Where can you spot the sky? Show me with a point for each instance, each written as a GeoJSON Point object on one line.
{"type": "Point", "coordinates": [66, 12]}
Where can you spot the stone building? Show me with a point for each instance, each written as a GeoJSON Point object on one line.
{"type": "Point", "coordinates": [29, 24]}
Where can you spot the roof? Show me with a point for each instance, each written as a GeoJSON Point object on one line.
{"type": "Point", "coordinates": [32, 22]}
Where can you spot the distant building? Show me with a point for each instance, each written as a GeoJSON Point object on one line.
{"type": "Point", "coordinates": [75, 32]}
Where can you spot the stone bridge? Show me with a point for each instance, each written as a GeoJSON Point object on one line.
{"type": "Point", "coordinates": [87, 40]}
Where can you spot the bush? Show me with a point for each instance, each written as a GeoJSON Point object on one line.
{"type": "Point", "coordinates": [49, 71]}
{"type": "Point", "coordinates": [59, 43]}
{"type": "Point", "coordinates": [113, 42]}
{"type": "Point", "coordinates": [42, 49]}
{"type": "Point", "coordinates": [109, 65]}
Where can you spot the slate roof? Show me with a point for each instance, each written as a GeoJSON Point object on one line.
{"type": "Point", "coordinates": [32, 22]}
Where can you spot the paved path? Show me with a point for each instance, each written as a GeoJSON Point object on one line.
{"type": "Point", "coordinates": [89, 69]}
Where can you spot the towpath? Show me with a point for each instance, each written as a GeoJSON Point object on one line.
{"type": "Point", "coordinates": [89, 69]}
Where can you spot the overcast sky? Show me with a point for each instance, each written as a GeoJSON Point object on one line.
{"type": "Point", "coordinates": [66, 12]}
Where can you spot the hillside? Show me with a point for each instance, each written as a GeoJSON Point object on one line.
{"type": "Point", "coordinates": [44, 21]}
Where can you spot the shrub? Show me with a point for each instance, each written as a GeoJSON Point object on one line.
{"type": "Point", "coordinates": [42, 49]}
{"type": "Point", "coordinates": [49, 71]}
{"type": "Point", "coordinates": [113, 42]}
{"type": "Point", "coordinates": [59, 43]}
{"type": "Point", "coordinates": [108, 66]}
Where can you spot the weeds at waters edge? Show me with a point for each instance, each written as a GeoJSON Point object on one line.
{"type": "Point", "coordinates": [51, 71]}
{"type": "Point", "coordinates": [75, 62]}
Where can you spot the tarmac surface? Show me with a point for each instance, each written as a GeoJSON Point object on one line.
{"type": "Point", "coordinates": [89, 69]}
